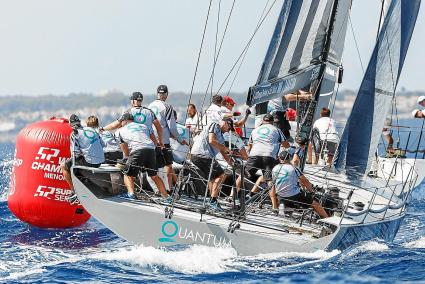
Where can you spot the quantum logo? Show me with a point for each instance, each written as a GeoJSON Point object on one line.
{"type": "Point", "coordinates": [169, 231]}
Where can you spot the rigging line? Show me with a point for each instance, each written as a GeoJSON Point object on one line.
{"type": "Point", "coordinates": [199, 53]}
{"type": "Point", "coordinates": [380, 20]}
{"type": "Point", "coordinates": [243, 58]}
{"type": "Point", "coordinates": [246, 46]}
{"type": "Point", "coordinates": [355, 42]}
{"type": "Point", "coordinates": [219, 51]}
{"type": "Point", "coordinates": [215, 48]}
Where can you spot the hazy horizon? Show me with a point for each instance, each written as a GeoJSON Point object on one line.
{"type": "Point", "coordinates": [52, 47]}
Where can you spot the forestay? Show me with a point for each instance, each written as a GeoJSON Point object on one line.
{"type": "Point", "coordinates": [298, 48]}
{"type": "Point", "coordinates": [364, 126]}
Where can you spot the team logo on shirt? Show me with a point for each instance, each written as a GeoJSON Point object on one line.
{"type": "Point", "coordinates": [139, 118]}
{"type": "Point", "coordinates": [263, 132]}
{"type": "Point", "coordinates": [91, 135]}
{"type": "Point", "coordinates": [282, 175]}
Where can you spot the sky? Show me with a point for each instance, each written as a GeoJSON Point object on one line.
{"type": "Point", "coordinates": [93, 46]}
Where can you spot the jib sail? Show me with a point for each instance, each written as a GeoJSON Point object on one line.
{"type": "Point", "coordinates": [364, 126]}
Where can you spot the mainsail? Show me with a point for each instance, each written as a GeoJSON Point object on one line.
{"type": "Point", "coordinates": [364, 126]}
{"type": "Point", "coordinates": [308, 34]}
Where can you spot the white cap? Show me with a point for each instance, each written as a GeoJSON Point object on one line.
{"type": "Point", "coordinates": [421, 99]}
{"type": "Point", "coordinates": [414, 112]}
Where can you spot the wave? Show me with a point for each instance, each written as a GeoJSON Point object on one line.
{"type": "Point", "coordinates": [416, 244]}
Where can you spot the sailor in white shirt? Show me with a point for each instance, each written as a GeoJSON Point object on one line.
{"type": "Point", "coordinates": [215, 112]}
{"type": "Point", "coordinates": [192, 120]}
{"type": "Point", "coordinates": [329, 139]}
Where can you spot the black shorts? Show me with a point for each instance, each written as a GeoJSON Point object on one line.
{"type": "Point", "coordinates": [168, 155]}
{"type": "Point", "coordinates": [112, 157]}
{"type": "Point", "coordinates": [204, 165]}
{"type": "Point", "coordinates": [300, 200]}
{"type": "Point", "coordinates": [331, 147]}
{"type": "Point", "coordinates": [142, 159]}
{"type": "Point", "coordinates": [159, 156]}
{"type": "Point", "coordinates": [256, 163]}
{"type": "Point", "coordinates": [79, 161]}
{"type": "Point", "coordinates": [282, 123]}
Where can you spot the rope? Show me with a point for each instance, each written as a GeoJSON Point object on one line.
{"type": "Point", "coordinates": [199, 53]}
{"type": "Point", "coordinates": [245, 48]}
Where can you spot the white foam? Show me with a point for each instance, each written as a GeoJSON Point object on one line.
{"type": "Point", "coordinates": [418, 243]}
{"type": "Point", "coordinates": [369, 246]}
{"type": "Point", "coordinates": [193, 260]}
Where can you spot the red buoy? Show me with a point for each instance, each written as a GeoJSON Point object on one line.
{"type": "Point", "coordinates": [38, 190]}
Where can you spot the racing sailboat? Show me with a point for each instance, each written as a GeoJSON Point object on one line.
{"type": "Point", "coordinates": [305, 50]}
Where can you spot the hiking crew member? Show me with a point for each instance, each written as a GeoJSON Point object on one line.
{"type": "Point", "coordinates": [263, 148]}
{"type": "Point", "coordinates": [328, 135]}
{"type": "Point", "coordinates": [141, 115]}
{"type": "Point", "coordinates": [112, 148]}
{"type": "Point", "coordinates": [285, 179]}
{"type": "Point", "coordinates": [278, 107]}
{"type": "Point", "coordinates": [138, 144]}
{"type": "Point", "coordinates": [204, 149]}
{"type": "Point", "coordinates": [165, 115]}
{"type": "Point", "coordinates": [86, 149]}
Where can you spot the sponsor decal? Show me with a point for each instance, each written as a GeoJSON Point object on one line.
{"type": "Point", "coordinates": [52, 193]}
{"type": "Point", "coordinates": [139, 118]}
{"type": "Point", "coordinates": [172, 232]}
{"type": "Point", "coordinates": [48, 160]}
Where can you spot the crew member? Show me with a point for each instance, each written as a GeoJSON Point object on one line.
{"type": "Point", "coordinates": [285, 185]}
{"type": "Point", "coordinates": [329, 139]}
{"type": "Point", "coordinates": [418, 113]}
{"type": "Point", "coordinates": [112, 148]}
{"type": "Point", "coordinates": [86, 150]}
{"type": "Point", "coordinates": [141, 115]}
{"type": "Point", "coordinates": [227, 106]}
{"type": "Point", "coordinates": [192, 120]}
{"type": "Point", "coordinates": [214, 112]}
{"type": "Point", "coordinates": [165, 114]}
{"type": "Point", "coordinates": [263, 148]}
{"type": "Point", "coordinates": [137, 142]}
{"type": "Point", "coordinates": [204, 150]}
{"type": "Point", "coordinates": [421, 101]}
{"type": "Point", "coordinates": [278, 107]}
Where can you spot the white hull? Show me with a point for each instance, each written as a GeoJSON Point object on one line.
{"type": "Point", "coordinates": [143, 222]}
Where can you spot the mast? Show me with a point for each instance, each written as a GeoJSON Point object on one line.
{"type": "Point", "coordinates": [305, 131]}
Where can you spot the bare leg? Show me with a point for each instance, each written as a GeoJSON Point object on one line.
{"type": "Point", "coordinates": [273, 198]}
{"type": "Point", "coordinates": [330, 159]}
{"type": "Point", "coordinates": [319, 210]}
{"type": "Point", "coordinates": [309, 154]}
{"type": "Point", "coordinates": [160, 185]}
{"type": "Point", "coordinates": [170, 173]}
{"type": "Point", "coordinates": [215, 188]}
{"type": "Point", "coordinates": [129, 184]}
{"type": "Point", "coordinates": [67, 176]}
{"type": "Point", "coordinates": [257, 184]}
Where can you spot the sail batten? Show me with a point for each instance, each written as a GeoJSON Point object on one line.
{"type": "Point", "coordinates": [373, 102]}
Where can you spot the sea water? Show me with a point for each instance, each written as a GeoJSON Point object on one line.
{"type": "Point", "coordinates": [92, 253]}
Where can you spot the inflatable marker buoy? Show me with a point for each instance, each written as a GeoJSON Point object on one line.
{"type": "Point", "coordinates": [38, 190]}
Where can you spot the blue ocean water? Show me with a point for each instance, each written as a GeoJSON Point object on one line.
{"type": "Point", "coordinates": [92, 253]}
